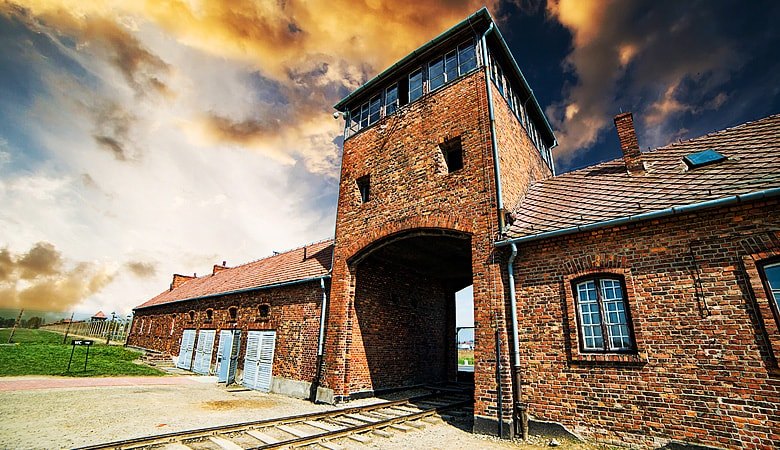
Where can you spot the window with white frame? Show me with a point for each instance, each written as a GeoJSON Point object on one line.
{"type": "Point", "coordinates": [603, 315]}
{"type": "Point", "coordinates": [771, 275]}
{"type": "Point", "coordinates": [415, 85]}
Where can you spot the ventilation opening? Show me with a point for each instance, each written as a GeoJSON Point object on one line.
{"type": "Point", "coordinates": [453, 154]}
{"type": "Point", "coordinates": [264, 312]}
{"type": "Point", "coordinates": [702, 158]}
{"type": "Point", "coordinates": [363, 184]}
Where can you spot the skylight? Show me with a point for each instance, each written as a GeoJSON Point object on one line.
{"type": "Point", "coordinates": [702, 158]}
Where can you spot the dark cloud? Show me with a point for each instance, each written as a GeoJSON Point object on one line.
{"type": "Point", "coordinates": [112, 129]}
{"type": "Point", "coordinates": [142, 269]}
{"type": "Point", "coordinates": [38, 280]}
{"type": "Point", "coordinates": [661, 60]}
{"type": "Point", "coordinates": [42, 260]}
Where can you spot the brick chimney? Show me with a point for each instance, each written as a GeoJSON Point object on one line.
{"type": "Point", "coordinates": [178, 280]}
{"type": "Point", "coordinates": [218, 268]}
{"type": "Point", "coordinates": [632, 156]}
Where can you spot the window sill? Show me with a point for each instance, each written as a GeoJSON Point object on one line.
{"type": "Point", "coordinates": [609, 358]}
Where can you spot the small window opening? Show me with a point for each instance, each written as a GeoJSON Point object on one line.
{"type": "Point", "coordinates": [192, 315]}
{"type": "Point", "coordinates": [209, 315]}
{"type": "Point", "coordinates": [452, 150]}
{"type": "Point", "coordinates": [233, 312]}
{"type": "Point", "coordinates": [702, 158]}
{"type": "Point", "coordinates": [264, 311]}
{"type": "Point", "coordinates": [363, 184]}
{"type": "Point", "coordinates": [173, 324]}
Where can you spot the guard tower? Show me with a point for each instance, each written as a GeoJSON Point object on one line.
{"type": "Point", "coordinates": [437, 148]}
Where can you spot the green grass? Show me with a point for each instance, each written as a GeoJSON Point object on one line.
{"type": "Point", "coordinates": [39, 352]}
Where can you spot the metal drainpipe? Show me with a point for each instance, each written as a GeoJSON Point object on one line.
{"type": "Point", "coordinates": [320, 343]}
{"type": "Point", "coordinates": [493, 142]}
{"type": "Point", "coordinates": [520, 409]}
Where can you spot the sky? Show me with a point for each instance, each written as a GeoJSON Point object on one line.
{"type": "Point", "coordinates": [141, 139]}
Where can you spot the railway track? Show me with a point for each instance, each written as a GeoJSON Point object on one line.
{"type": "Point", "coordinates": [314, 430]}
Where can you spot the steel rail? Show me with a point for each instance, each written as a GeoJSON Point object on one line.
{"type": "Point", "coordinates": [188, 435]}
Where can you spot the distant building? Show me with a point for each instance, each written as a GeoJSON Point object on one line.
{"type": "Point", "coordinates": [634, 300]}
{"type": "Point", "coordinates": [98, 317]}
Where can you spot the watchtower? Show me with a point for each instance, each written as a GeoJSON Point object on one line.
{"type": "Point", "coordinates": [437, 149]}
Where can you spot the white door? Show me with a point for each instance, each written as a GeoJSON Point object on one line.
{"type": "Point", "coordinates": [259, 360]}
{"type": "Point", "coordinates": [185, 349]}
{"type": "Point", "coordinates": [203, 351]}
{"type": "Point", "coordinates": [227, 355]}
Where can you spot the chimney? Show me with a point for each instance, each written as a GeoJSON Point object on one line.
{"type": "Point", "coordinates": [178, 280]}
{"type": "Point", "coordinates": [218, 268]}
{"type": "Point", "coordinates": [632, 156]}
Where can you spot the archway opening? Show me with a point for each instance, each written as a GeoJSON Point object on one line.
{"type": "Point", "coordinates": [404, 331]}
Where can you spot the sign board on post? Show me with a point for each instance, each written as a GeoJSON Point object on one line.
{"type": "Point", "coordinates": [80, 342]}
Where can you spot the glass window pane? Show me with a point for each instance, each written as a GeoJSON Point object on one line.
{"type": "Point", "coordinates": [772, 273]}
{"type": "Point", "coordinates": [391, 99]}
{"type": "Point", "coordinates": [467, 58]}
{"type": "Point", "coordinates": [451, 66]}
{"type": "Point", "coordinates": [415, 85]}
{"type": "Point", "coordinates": [375, 106]}
{"type": "Point", "coordinates": [436, 73]}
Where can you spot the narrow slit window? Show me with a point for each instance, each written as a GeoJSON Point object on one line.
{"type": "Point", "coordinates": [364, 188]}
{"type": "Point", "coordinates": [452, 150]}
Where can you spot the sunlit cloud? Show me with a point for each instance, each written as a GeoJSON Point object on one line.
{"type": "Point", "coordinates": [630, 56]}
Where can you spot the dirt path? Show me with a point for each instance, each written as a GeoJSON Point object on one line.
{"type": "Point", "coordinates": [47, 412]}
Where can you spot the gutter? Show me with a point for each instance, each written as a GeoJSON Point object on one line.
{"type": "Point", "coordinates": [240, 291]}
{"type": "Point", "coordinates": [675, 210]}
{"type": "Point", "coordinates": [493, 140]}
{"type": "Point", "coordinates": [520, 409]}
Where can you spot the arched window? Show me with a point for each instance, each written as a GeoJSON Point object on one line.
{"type": "Point", "coordinates": [192, 315]}
{"type": "Point", "coordinates": [209, 315]}
{"type": "Point", "coordinates": [604, 321]}
{"type": "Point", "coordinates": [233, 313]}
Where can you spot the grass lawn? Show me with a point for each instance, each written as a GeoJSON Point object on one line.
{"type": "Point", "coordinates": [466, 357]}
{"type": "Point", "coordinates": [39, 352]}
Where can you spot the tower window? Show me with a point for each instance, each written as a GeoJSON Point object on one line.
{"type": "Point", "coordinates": [363, 184]}
{"type": "Point", "coordinates": [452, 150]}
{"type": "Point", "coordinates": [415, 85]}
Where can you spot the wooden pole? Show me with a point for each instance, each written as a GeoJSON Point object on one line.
{"type": "Point", "coordinates": [65, 339]}
{"type": "Point", "coordinates": [16, 324]}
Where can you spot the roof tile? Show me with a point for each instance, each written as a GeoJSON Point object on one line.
{"type": "Point", "coordinates": [279, 268]}
{"type": "Point", "coordinates": [606, 191]}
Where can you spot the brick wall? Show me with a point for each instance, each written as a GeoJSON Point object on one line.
{"type": "Point", "coordinates": [404, 329]}
{"type": "Point", "coordinates": [295, 316]}
{"type": "Point", "coordinates": [705, 369]}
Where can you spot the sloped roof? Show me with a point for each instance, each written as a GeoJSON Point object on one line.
{"type": "Point", "coordinates": [607, 192]}
{"type": "Point", "coordinates": [99, 315]}
{"type": "Point", "coordinates": [280, 268]}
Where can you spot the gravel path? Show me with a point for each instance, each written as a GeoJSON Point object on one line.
{"type": "Point", "coordinates": [60, 417]}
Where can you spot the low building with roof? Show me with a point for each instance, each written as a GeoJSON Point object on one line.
{"type": "Point", "coordinates": [633, 301]}
{"type": "Point", "coordinates": [282, 293]}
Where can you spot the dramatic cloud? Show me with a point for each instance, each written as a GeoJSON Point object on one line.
{"type": "Point", "coordinates": [41, 280]}
{"type": "Point", "coordinates": [142, 269]}
{"type": "Point", "coordinates": [660, 60]}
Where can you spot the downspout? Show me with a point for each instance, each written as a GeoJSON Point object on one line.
{"type": "Point", "coordinates": [320, 343]}
{"type": "Point", "coordinates": [520, 409]}
{"type": "Point", "coordinates": [493, 141]}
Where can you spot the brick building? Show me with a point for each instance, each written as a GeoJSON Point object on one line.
{"type": "Point", "coordinates": [635, 300]}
